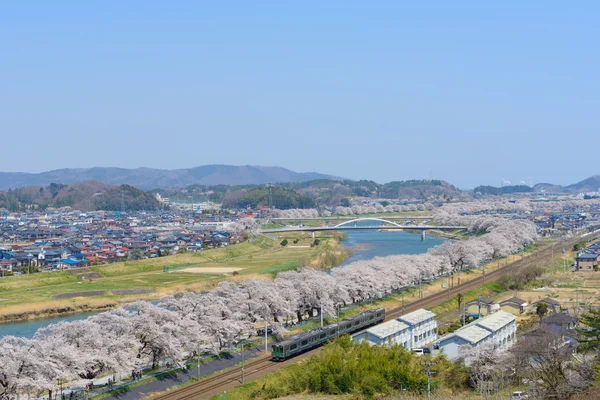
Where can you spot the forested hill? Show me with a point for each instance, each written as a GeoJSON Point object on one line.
{"type": "Point", "coordinates": [280, 198]}
{"type": "Point", "coordinates": [325, 192]}
{"type": "Point", "coordinates": [503, 190]}
{"type": "Point", "coordinates": [85, 196]}
{"type": "Point", "coordinates": [336, 193]}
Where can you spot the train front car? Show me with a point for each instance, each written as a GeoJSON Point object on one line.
{"type": "Point", "coordinates": [316, 337]}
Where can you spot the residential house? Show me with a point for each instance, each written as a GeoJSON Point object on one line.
{"type": "Point", "coordinates": [553, 305]}
{"type": "Point", "coordinates": [587, 261]}
{"type": "Point", "coordinates": [561, 323]}
{"type": "Point", "coordinates": [481, 306]}
{"type": "Point", "coordinates": [514, 305]}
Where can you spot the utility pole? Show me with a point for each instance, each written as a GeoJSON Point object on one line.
{"type": "Point", "coordinates": [242, 363]}
{"type": "Point", "coordinates": [428, 372]}
{"type": "Point", "coordinates": [321, 312]}
{"type": "Point", "coordinates": [270, 198]}
{"type": "Point", "coordinates": [402, 302]}
{"type": "Point", "coordinates": [266, 338]}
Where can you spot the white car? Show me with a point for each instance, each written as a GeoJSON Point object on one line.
{"type": "Point", "coordinates": [518, 396]}
{"type": "Point", "coordinates": [418, 352]}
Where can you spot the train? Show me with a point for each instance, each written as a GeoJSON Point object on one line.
{"type": "Point", "coordinates": [316, 337]}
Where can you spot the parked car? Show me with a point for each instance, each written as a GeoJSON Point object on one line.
{"type": "Point", "coordinates": [418, 352]}
{"type": "Point", "coordinates": [426, 350]}
{"type": "Point", "coordinates": [518, 396]}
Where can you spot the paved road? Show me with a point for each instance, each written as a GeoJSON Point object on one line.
{"type": "Point", "coordinates": [165, 383]}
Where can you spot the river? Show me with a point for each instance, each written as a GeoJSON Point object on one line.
{"type": "Point", "coordinates": [365, 244]}
{"type": "Point", "coordinates": [370, 244]}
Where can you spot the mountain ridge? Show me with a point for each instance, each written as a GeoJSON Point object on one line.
{"type": "Point", "coordinates": [148, 178]}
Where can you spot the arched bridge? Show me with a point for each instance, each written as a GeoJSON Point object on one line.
{"type": "Point", "coordinates": [354, 221]}
{"type": "Point", "coordinates": [352, 225]}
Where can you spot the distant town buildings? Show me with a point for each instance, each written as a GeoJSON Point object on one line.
{"type": "Point", "coordinates": [64, 240]}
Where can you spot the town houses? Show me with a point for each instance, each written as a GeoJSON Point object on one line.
{"type": "Point", "coordinates": [63, 240]}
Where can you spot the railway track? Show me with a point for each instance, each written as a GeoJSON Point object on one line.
{"type": "Point", "coordinates": [259, 367]}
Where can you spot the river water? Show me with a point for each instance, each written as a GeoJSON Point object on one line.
{"type": "Point", "coordinates": [365, 245]}
{"type": "Point", "coordinates": [369, 244]}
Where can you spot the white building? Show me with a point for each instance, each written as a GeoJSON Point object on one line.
{"type": "Point", "coordinates": [423, 327]}
{"type": "Point", "coordinates": [413, 330]}
{"type": "Point", "coordinates": [499, 328]}
{"type": "Point", "coordinates": [388, 333]}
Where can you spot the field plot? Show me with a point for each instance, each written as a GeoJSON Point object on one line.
{"type": "Point", "coordinates": [105, 286]}
{"type": "Point", "coordinates": [210, 270]}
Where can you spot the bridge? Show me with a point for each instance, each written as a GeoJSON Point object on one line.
{"type": "Point", "coordinates": [344, 226]}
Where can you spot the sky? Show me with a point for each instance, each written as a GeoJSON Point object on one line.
{"type": "Point", "coordinates": [470, 92]}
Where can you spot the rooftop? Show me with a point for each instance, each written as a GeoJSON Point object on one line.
{"type": "Point", "coordinates": [417, 316]}
{"type": "Point", "coordinates": [472, 333]}
{"type": "Point", "coordinates": [514, 300]}
{"type": "Point", "coordinates": [495, 321]}
{"type": "Point", "coordinates": [387, 328]}
{"type": "Point", "coordinates": [559, 318]}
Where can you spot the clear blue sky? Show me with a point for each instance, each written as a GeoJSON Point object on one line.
{"type": "Point", "coordinates": [473, 91]}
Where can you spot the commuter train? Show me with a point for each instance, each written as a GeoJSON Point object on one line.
{"type": "Point", "coordinates": [316, 337]}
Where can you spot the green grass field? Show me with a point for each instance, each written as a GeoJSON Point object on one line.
{"type": "Point", "coordinates": [258, 257]}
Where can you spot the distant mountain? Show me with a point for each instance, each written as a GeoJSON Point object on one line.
{"type": "Point", "coordinates": [591, 184]}
{"type": "Point", "coordinates": [84, 196]}
{"type": "Point", "coordinates": [148, 178]}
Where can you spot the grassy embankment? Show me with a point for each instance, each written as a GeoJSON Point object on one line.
{"type": "Point", "coordinates": [32, 296]}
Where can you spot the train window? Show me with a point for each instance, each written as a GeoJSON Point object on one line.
{"type": "Point", "coordinates": [356, 323]}
{"type": "Point", "coordinates": [322, 336]}
{"type": "Point", "coordinates": [379, 314]}
{"type": "Point", "coordinates": [304, 343]}
{"type": "Point", "coordinates": [293, 347]}
{"type": "Point", "coordinates": [371, 318]}
{"type": "Point", "coordinates": [332, 332]}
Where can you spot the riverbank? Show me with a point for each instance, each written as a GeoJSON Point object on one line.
{"type": "Point", "coordinates": [44, 295]}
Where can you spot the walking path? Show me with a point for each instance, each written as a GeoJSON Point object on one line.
{"type": "Point", "coordinates": [178, 378]}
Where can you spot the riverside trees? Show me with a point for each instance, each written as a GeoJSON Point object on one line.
{"type": "Point", "coordinates": [186, 323]}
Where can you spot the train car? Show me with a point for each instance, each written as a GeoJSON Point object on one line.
{"type": "Point", "coordinates": [316, 337]}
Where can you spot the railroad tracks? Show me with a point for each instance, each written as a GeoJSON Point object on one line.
{"type": "Point", "coordinates": [260, 367]}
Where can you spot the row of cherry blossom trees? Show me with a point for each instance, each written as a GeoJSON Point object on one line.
{"type": "Point", "coordinates": [144, 334]}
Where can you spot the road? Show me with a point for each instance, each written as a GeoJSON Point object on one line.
{"type": "Point", "coordinates": [263, 366]}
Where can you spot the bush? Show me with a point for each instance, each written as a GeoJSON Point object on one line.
{"type": "Point", "coordinates": [348, 367]}
{"type": "Point", "coordinates": [284, 242]}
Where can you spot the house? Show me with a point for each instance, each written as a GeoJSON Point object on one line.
{"type": "Point", "coordinates": [514, 305]}
{"type": "Point", "coordinates": [392, 332]}
{"type": "Point", "coordinates": [481, 306]}
{"type": "Point", "coordinates": [499, 328]}
{"type": "Point", "coordinates": [552, 304]}
{"type": "Point", "coordinates": [586, 261]}
{"type": "Point", "coordinates": [423, 327]}
{"type": "Point", "coordinates": [561, 323]}
{"type": "Point", "coordinates": [6, 266]}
